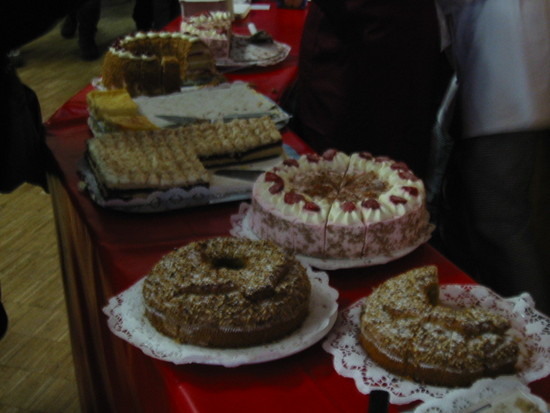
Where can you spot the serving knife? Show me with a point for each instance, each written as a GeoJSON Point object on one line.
{"type": "Point", "coordinates": [186, 120]}
{"type": "Point", "coordinates": [249, 175]}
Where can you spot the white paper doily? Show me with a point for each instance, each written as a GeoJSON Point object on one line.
{"type": "Point", "coordinates": [126, 320]}
{"type": "Point", "coordinates": [531, 326]}
{"type": "Point", "coordinates": [240, 227]}
{"type": "Point", "coordinates": [484, 393]}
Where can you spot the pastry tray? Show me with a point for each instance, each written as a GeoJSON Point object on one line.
{"type": "Point", "coordinates": [222, 189]}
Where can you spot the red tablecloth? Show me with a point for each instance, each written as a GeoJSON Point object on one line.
{"type": "Point", "coordinates": [104, 252]}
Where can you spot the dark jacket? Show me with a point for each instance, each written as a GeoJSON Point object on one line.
{"type": "Point", "coordinates": [370, 77]}
{"type": "Point", "coordinates": [23, 153]}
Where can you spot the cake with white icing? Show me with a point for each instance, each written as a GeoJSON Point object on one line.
{"type": "Point", "coordinates": [156, 63]}
{"type": "Point", "coordinates": [213, 28]}
{"type": "Point", "coordinates": [340, 206]}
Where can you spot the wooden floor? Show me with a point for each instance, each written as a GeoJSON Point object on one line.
{"type": "Point", "coordinates": [36, 370]}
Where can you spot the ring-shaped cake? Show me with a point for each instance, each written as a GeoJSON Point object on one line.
{"type": "Point", "coordinates": [227, 292]}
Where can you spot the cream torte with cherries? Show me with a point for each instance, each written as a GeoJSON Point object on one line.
{"type": "Point", "coordinates": [213, 28]}
{"type": "Point", "coordinates": [340, 207]}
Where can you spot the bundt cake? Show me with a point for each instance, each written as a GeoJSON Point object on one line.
{"type": "Point", "coordinates": [227, 292]}
{"type": "Point", "coordinates": [156, 63]}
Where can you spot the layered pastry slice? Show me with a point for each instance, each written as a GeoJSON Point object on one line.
{"type": "Point", "coordinates": [237, 141]}
{"type": "Point", "coordinates": [134, 163]}
{"type": "Point", "coordinates": [130, 165]}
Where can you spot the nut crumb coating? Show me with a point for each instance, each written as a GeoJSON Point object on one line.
{"type": "Point", "coordinates": [227, 292]}
{"type": "Point", "coordinates": [406, 329]}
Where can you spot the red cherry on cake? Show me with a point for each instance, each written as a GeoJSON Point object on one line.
{"type": "Point", "coordinates": [272, 177]}
{"type": "Point", "coordinates": [329, 154]}
{"type": "Point", "coordinates": [382, 159]}
{"type": "Point", "coordinates": [349, 206]}
{"type": "Point", "coordinates": [397, 200]}
{"type": "Point", "coordinates": [313, 157]}
{"type": "Point", "coordinates": [366, 155]}
{"type": "Point", "coordinates": [311, 206]}
{"type": "Point", "coordinates": [411, 190]}
{"type": "Point", "coordinates": [276, 187]}
{"type": "Point", "coordinates": [290, 162]}
{"type": "Point", "coordinates": [370, 204]}
{"type": "Point", "coordinates": [293, 198]}
{"type": "Point", "coordinates": [400, 166]}
{"type": "Point", "coordinates": [408, 176]}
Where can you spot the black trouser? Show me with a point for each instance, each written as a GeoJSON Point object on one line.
{"type": "Point", "coordinates": [87, 16]}
{"type": "Point", "coordinates": [24, 156]}
{"type": "Point", "coordinates": [154, 14]}
{"type": "Point", "coordinates": [3, 321]}
{"type": "Point", "coordinates": [497, 205]}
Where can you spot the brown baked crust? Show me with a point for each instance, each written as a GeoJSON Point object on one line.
{"type": "Point", "coordinates": [227, 292]}
{"type": "Point", "coordinates": [405, 329]}
{"type": "Point", "coordinates": [135, 63]}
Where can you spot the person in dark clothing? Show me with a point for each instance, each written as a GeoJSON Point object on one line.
{"type": "Point", "coordinates": [3, 318]}
{"type": "Point", "coordinates": [84, 19]}
{"type": "Point", "coordinates": [23, 153]}
{"type": "Point", "coordinates": [154, 14]}
{"type": "Point", "coordinates": [24, 156]}
{"type": "Point", "coordinates": [371, 77]}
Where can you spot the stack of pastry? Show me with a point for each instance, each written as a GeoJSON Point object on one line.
{"type": "Point", "coordinates": [135, 163]}
{"type": "Point", "coordinates": [241, 140]}
{"type": "Point", "coordinates": [130, 165]}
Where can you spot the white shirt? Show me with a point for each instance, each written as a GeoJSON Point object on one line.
{"type": "Point", "coordinates": [502, 55]}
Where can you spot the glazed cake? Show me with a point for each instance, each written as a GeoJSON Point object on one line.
{"type": "Point", "coordinates": [213, 28]}
{"type": "Point", "coordinates": [227, 292]}
{"type": "Point", "coordinates": [133, 164]}
{"type": "Point", "coordinates": [156, 63]}
{"type": "Point", "coordinates": [405, 329]}
{"type": "Point", "coordinates": [340, 207]}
